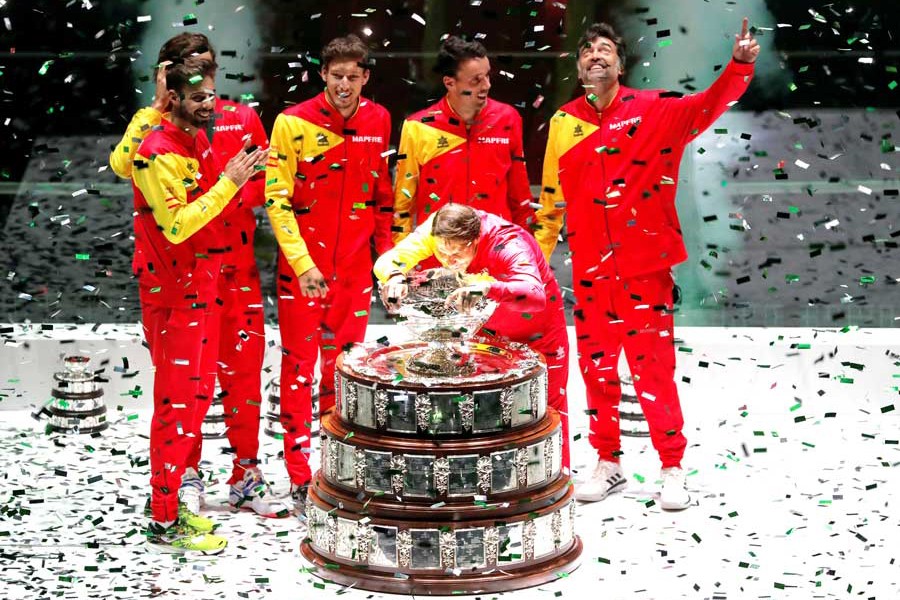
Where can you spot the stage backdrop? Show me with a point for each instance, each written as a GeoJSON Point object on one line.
{"type": "Point", "coordinates": [789, 203]}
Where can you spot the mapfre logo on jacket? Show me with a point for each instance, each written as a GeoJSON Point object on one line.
{"type": "Point", "coordinates": [484, 139]}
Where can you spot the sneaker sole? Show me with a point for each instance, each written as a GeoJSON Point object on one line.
{"type": "Point", "coordinates": [159, 548]}
{"type": "Point", "coordinates": [598, 497]}
{"type": "Point", "coordinates": [676, 507]}
{"type": "Point", "coordinates": [279, 515]}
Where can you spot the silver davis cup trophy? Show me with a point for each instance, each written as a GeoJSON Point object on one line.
{"type": "Point", "coordinates": [76, 405]}
{"type": "Point", "coordinates": [441, 461]}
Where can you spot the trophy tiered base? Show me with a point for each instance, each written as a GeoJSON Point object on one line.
{"type": "Point", "coordinates": [441, 485]}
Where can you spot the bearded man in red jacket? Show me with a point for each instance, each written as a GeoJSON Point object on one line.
{"type": "Point", "coordinates": [612, 163]}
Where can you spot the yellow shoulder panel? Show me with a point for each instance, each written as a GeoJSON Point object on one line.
{"type": "Point", "coordinates": [570, 131]}
{"type": "Point", "coordinates": [430, 142]}
{"type": "Point", "coordinates": [311, 139]}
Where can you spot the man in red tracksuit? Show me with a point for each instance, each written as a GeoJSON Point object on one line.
{"type": "Point", "coordinates": [612, 163]}
{"type": "Point", "coordinates": [467, 148]}
{"type": "Point", "coordinates": [237, 331]}
{"type": "Point", "coordinates": [177, 259]}
{"type": "Point", "coordinates": [530, 305]}
{"type": "Point", "coordinates": [328, 194]}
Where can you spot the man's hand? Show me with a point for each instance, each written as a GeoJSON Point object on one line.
{"type": "Point", "coordinates": [466, 298]}
{"type": "Point", "coordinates": [746, 48]}
{"type": "Point", "coordinates": [245, 163]}
{"type": "Point", "coordinates": [393, 291]}
{"type": "Point", "coordinates": [312, 284]}
{"type": "Point", "coordinates": [161, 94]}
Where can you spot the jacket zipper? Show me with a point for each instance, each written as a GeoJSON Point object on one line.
{"type": "Point", "coordinates": [340, 206]}
{"type": "Point", "coordinates": [605, 208]}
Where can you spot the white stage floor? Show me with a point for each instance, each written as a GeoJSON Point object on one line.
{"type": "Point", "coordinates": [793, 458]}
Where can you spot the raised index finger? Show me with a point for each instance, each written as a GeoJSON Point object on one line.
{"type": "Point", "coordinates": [744, 27]}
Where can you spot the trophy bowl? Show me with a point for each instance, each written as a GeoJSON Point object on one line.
{"type": "Point", "coordinates": [428, 317]}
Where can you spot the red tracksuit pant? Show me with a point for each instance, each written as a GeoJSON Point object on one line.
{"type": "Point", "coordinates": [310, 326]}
{"type": "Point", "coordinates": [635, 315]}
{"type": "Point", "coordinates": [175, 338]}
{"type": "Point", "coordinates": [240, 341]}
{"type": "Point", "coordinates": [553, 345]}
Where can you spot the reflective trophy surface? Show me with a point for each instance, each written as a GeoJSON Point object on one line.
{"type": "Point", "coordinates": [441, 461]}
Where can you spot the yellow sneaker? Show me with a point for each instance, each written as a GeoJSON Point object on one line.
{"type": "Point", "coordinates": [181, 538]}
{"type": "Point", "coordinates": [195, 521]}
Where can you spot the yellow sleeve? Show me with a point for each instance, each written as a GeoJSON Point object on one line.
{"type": "Point", "coordinates": [407, 180]}
{"type": "Point", "coordinates": [120, 159]}
{"type": "Point", "coordinates": [549, 217]}
{"type": "Point", "coordinates": [285, 147]}
{"type": "Point", "coordinates": [407, 253]}
{"type": "Point", "coordinates": [164, 181]}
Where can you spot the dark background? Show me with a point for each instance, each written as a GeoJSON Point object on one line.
{"type": "Point", "coordinates": [65, 221]}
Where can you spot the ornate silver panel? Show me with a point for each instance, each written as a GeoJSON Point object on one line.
{"type": "Point", "coordinates": [404, 548]}
{"type": "Point", "coordinates": [491, 546]}
{"type": "Point", "coordinates": [503, 475]}
{"type": "Point", "coordinates": [506, 406]}
{"type": "Point", "coordinates": [385, 544]}
{"type": "Point", "coordinates": [381, 408]}
{"type": "Point", "coordinates": [330, 538]}
{"type": "Point", "coordinates": [467, 413]}
{"type": "Point", "coordinates": [556, 528]}
{"type": "Point", "coordinates": [470, 548]}
{"type": "Point", "coordinates": [512, 545]}
{"type": "Point", "coordinates": [549, 451]}
{"type": "Point", "coordinates": [419, 481]}
{"type": "Point", "coordinates": [483, 468]}
{"type": "Point", "coordinates": [346, 536]}
{"type": "Point", "coordinates": [365, 538]}
{"type": "Point", "coordinates": [398, 473]}
{"type": "Point", "coordinates": [345, 470]}
{"type": "Point", "coordinates": [423, 412]}
{"type": "Point", "coordinates": [378, 466]}
{"type": "Point", "coordinates": [442, 475]}
{"type": "Point", "coordinates": [463, 475]}
{"type": "Point", "coordinates": [332, 458]}
{"type": "Point", "coordinates": [426, 548]}
{"type": "Point", "coordinates": [537, 473]}
{"type": "Point", "coordinates": [360, 468]}
{"type": "Point", "coordinates": [522, 466]}
{"type": "Point", "coordinates": [544, 538]}
{"type": "Point", "coordinates": [448, 550]}
{"type": "Point", "coordinates": [351, 400]}
{"type": "Point", "coordinates": [528, 533]}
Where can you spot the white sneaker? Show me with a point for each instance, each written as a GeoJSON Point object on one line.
{"type": "Point", "coordinates": [191, 491]}
{"type": "Point", "coordinates": [674, 494]}
{"type": "Point", "coordinates": [253, 492]}
{"type": "Point", "coordinates": [606, 479]}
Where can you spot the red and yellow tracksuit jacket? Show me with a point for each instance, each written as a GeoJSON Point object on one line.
{"type": "Point", "coordinates": [328, 189]}
{"type": "Point", "coordinates": [440, 160]}
{"type": "Point", "coordinates": [615, 175]}
{"type": "Point", "coordinates": [232, 123]}
{"type": "Point", "coordinates": [177, 196]}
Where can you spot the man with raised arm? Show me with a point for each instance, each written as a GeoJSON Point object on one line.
{"type": "Point", "coordinates": [612, 164]}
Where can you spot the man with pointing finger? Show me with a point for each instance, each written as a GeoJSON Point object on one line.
{"type": "Point", "coordinates": [612, 164]}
